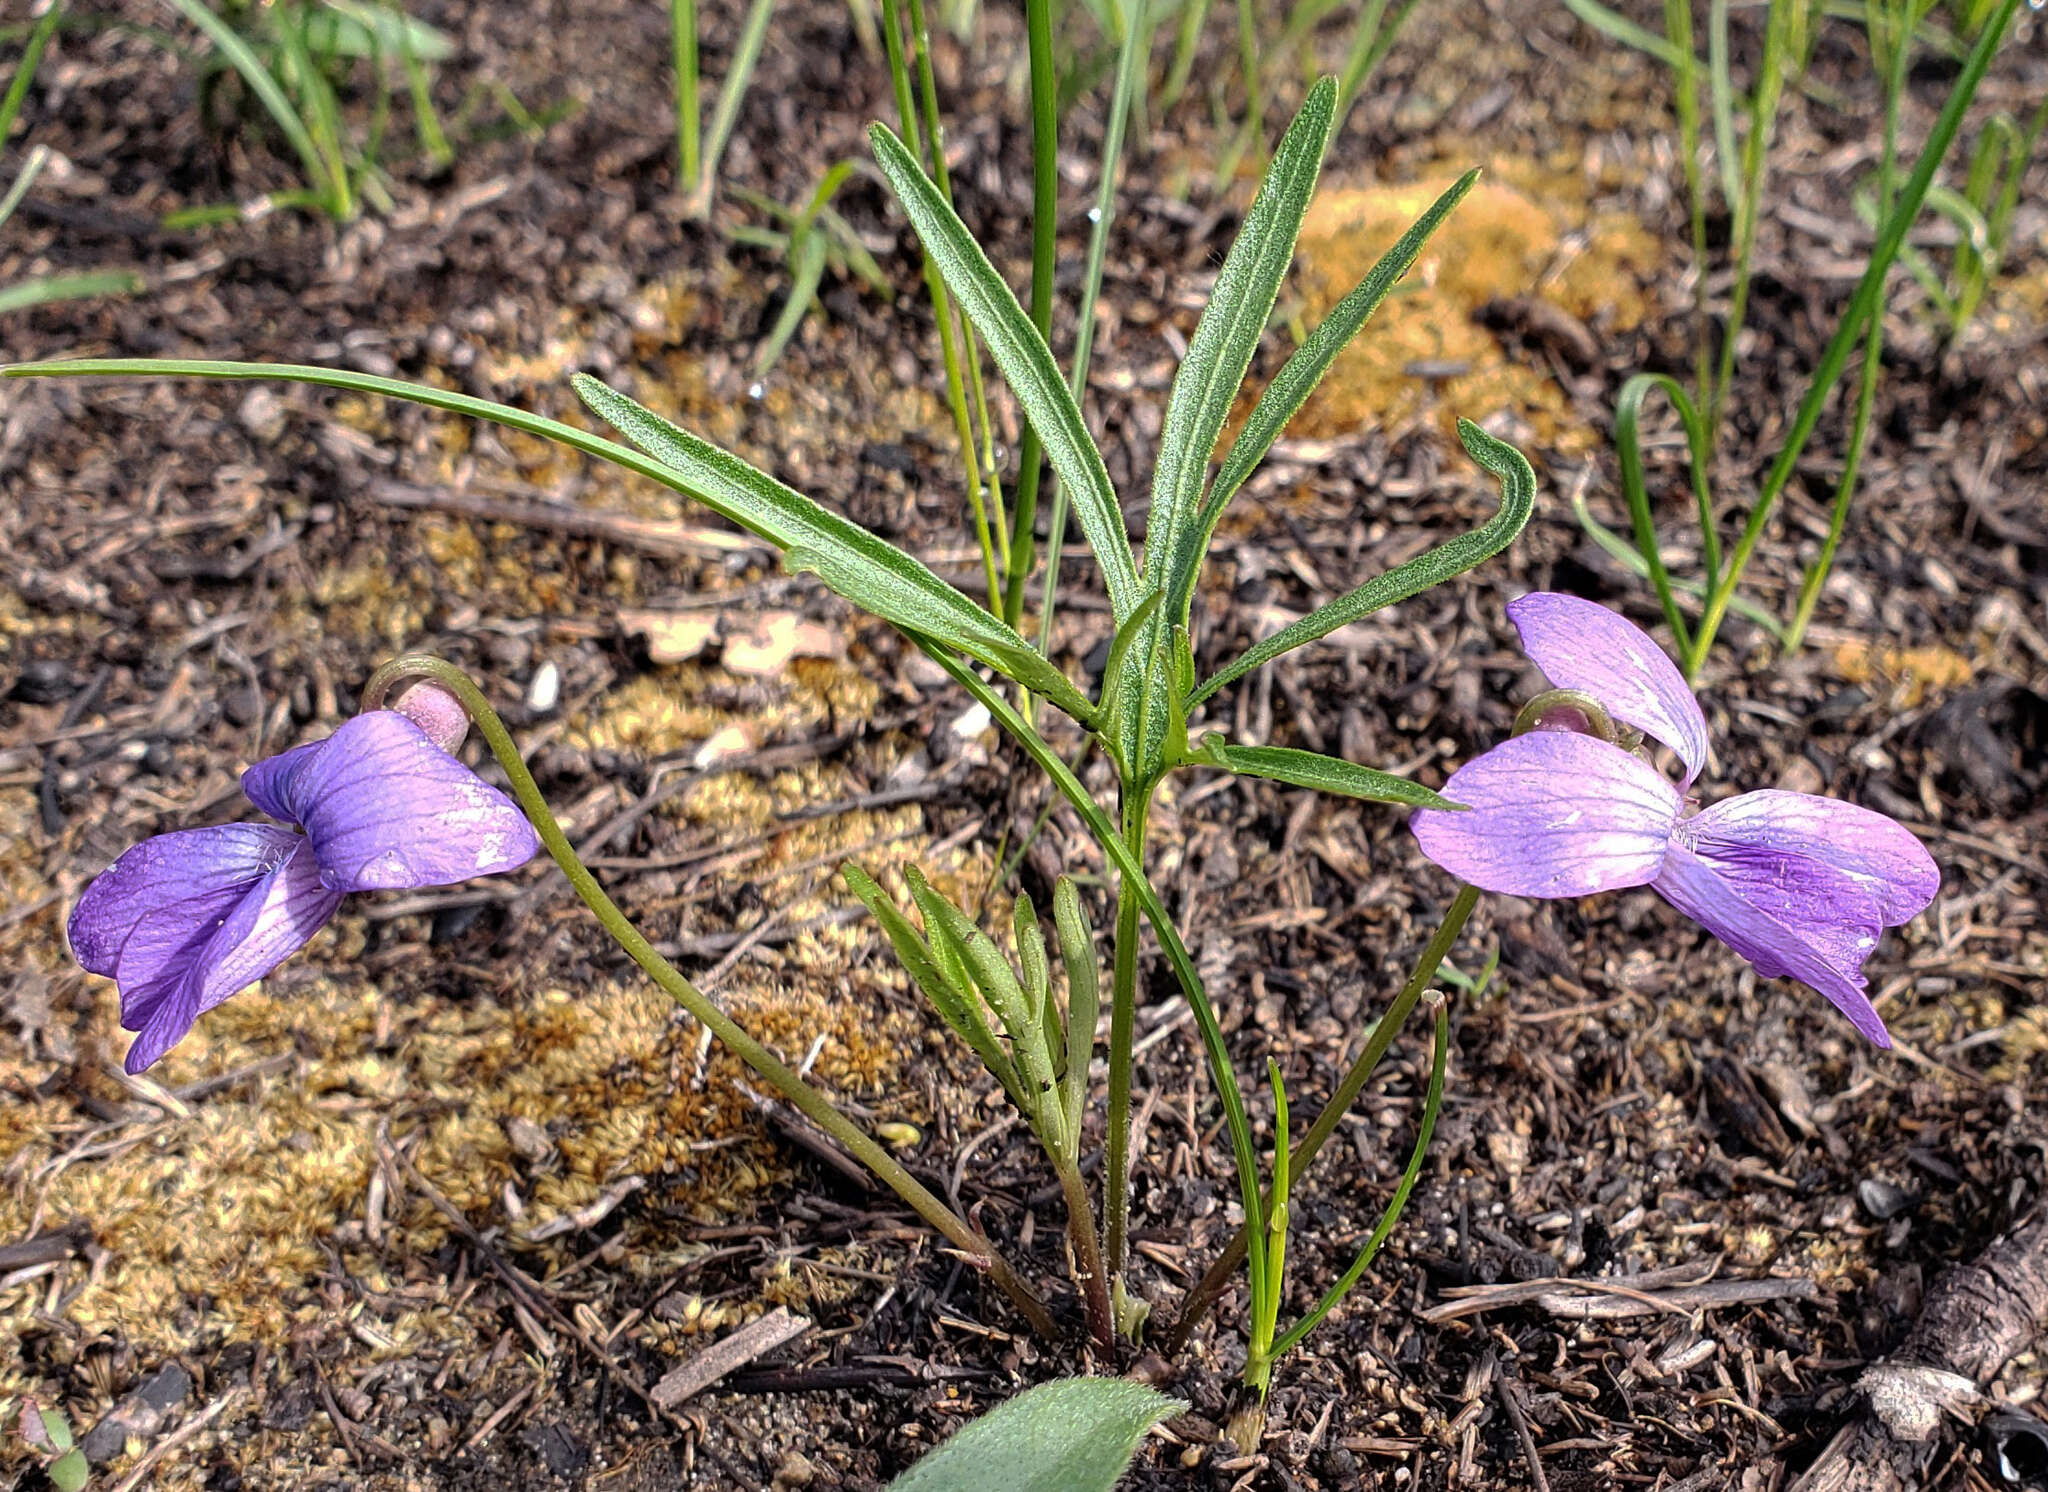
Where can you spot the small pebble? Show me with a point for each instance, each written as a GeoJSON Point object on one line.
{"type": "Point", "coordinates": [545, 691]}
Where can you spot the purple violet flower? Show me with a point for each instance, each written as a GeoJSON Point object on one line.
{"type": "Point", "coordinates": [182, 921]}
{"type": "Point", "coordinates": [1800, 886]}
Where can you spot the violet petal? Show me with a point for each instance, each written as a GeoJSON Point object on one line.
{"type": "Point", "coordinates": [193, 874]}
{"type": "Point", "coordinates": [1866, 846]}
{"type": "Point", "coordinates": [1551, 814]}
{"type": "Point", "coordinates": [1754, 908]}
{"type": "Point", "coordinates": [271, 783]}
{"type": "Point", "coordinates": [387, 809]}
{"type": "Point", "coordinates": [1582, 645]}
{"type": "Point", "coordinates": [273, 918]}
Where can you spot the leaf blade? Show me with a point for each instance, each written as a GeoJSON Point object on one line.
{"type": "Point", "coordinates": [865, 569]}
{"type": "Point", "coordinates": [1453, 557]}
{"type": "Point", "coordinates": [1323, 774]}
{"type": "Point", "coordinates": [1071, 1435]}
{"type": "Point", "coordinates": [1298, 377]}
{"type": "Point", "coordinates": [1026, 361]}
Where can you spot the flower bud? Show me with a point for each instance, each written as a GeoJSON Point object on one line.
{"type": "Point", "coordinates": [435, 711]}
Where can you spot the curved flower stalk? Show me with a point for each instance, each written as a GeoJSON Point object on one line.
{"type": "Point", "coordinates": [1801, 886]}
{"type": "Point", "coordinates": [184, 920]}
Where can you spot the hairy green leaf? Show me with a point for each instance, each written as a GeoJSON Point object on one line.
{"type": "Point", "coordinates": [954, 1000]}
{"type": "Point", "coordinates": [868, 571]}
{"type": "Point", "coordinates": [1454, 557]}
{"type": "Point", "coordinates": [1326, 774]}
{"type": "Point", "coordinates": [1026, 361]}
{"type": "Point", "coordinates": [1228, 333]}
{"type": "Point", "coordinates": [1084, 1000]}
{"type": "Point", "coordinates": [1295, 381]}
{"type": "Point", "coordinates": [1071, 1435]}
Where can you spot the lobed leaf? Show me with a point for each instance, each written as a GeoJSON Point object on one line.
{"type": "Point", "coordinates": [1298, 378]}
{"type": "Point", "coordinates": [1071, 1435]}
{"type": "Point", "coordinates": [1454, 557]}
{"type": "Point", "coordinates": [950, 997]}
{"type": "Point", "coordinates": [1084, 1000]}
{"type": "Point", "coordinates": [1325, 774]}
{"type": "Point", "coordinates": [1026, 361]}
{"type": "Point", "coordinates": [868, 571]}
{"type": "Point", "coordinates": [1228, 333]}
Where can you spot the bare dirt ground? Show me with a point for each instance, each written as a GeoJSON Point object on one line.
{"type": "Point", "coordinates": [423, 1210]}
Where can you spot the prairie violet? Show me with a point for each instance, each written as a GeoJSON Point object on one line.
{"type": "Point", "coordinates": [1801, 886]}
{"type": "Point", "coordinates": [182, 921]}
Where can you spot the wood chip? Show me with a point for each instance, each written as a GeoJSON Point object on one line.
{"type": "Point", "coordinates": [729, 1354]}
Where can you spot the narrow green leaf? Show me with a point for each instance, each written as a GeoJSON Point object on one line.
{"type": "Point", "coordinates": [1072, 1435]}
{"type": "Point", "coordinates": [1617, 27]}
{"type": "Point", "coordinates": [998, 983]}
{"type": "Point", "coordinates": [1128, 631]}
{"type": "Point", "coordinates": [954, 1001]}
{"type": "Point", "coordinates": [1454, 557]}
{"type": "Point", "coordinates": [1084, 1000]}
{"type": "Point", "coordinates": [243, 58]}
{"type": "Point", "coordinates": [1228, 334]}
{"type": "Point", "coordinates": [1295, 381]}
{"type": "Point", "coordinates": [1035, 967]}
{"type": "Point", "coordinates": [1026, 361]}
{"type": "Point", "coordinates": [48, 289]}
{"type": "Point", "coordinates": [807, 268]}
{"type": "Point", "coordinates": [866, 570]}
{"type": "Point", "coordinates": [1325, 774]}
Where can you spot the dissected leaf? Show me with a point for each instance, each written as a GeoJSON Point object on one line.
{"type": "Point", "coordinates": [1298, 378]}
{"type": "Point", "coordinates": [1228, 333]}
{"type": "Point", "coordinates": [1071, 1435]}
{"type": "Point", "coordinates": [867, 570]}
{"type": "Point", "coordinates": [1026, 361]}
{"type": "Point", "coordinates": [954, 1000]}
{"type": "Point", "coordinates": [1454, 557]}
{"type": "Point", "coordinates": [1325, 774]}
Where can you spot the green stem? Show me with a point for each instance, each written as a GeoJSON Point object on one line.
{"type": "Point", "coordinates": [800, 1095]}
{"type": "Point", "coordinates": [1131, 870]}
{"type": "Point", "coordinates": [1123, 1015]}
{"type": "Point", "coordinates": [1432, 1105]}
{"type": "Point", "coordinates": [1864, 307]}
{"type": "Point", "coordinates": [1087, 1246]}
{"type": "Point", "coordinates": [1045, 207]}
{"type": "Point", "coordinates": [1212, 1284]}
{"type": "Point", "coordinates": [1756, 148]}
{"type": "Point", "coordinates": [689, 110]}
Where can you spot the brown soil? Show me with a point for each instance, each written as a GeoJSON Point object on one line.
{"type": "Point", "coordinates": [194, 576]}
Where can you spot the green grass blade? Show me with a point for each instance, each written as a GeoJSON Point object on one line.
{"type": "Point", "coordinates": [1026, 361]}
{"type": "Point", "coordinates": [49, 289]}
{"type": "Point", "coordinates": [1631, 558]}
{"type": "Point", "coordinates": [725, 112]}
{"type": "Point", "coordinates": [25, 70]}
{"type": "Point", "coordinates": [1617, 27]}
{"type": "Point", "coordinates": [1432, 1105]}
{"type": "Point", "coordinates": [25, 178]}
{"type": "Point", "coordinates": [866, 570]}
{"type": "Point", "coordinates": [807, 269]}
{"type": "Point", "coordinates": [1323, 774]}
{"type": "Point", "coordinates": [269, 92]}
{"type": "Point", "coordinates": [1291, 387]}
{"type": "Point", "coordinates": [1454, 557]}
{"type": "Point", "coordinates": [1628, 412]}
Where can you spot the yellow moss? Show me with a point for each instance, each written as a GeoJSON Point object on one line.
{"type": "Point", "coordinates": [1523, 230]}
{"type": "Point", "coordinates": [1910, 673]}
